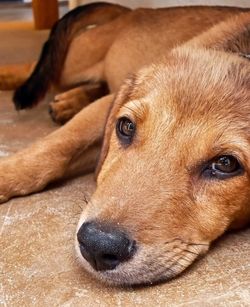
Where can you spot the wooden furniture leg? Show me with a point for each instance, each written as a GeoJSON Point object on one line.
{"type": "Point", "coordinates": [45, 13]}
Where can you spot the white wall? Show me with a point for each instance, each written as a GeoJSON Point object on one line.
{"type": "Point", "coordinates": [165, 3]}
{"type": "Point", "coordinates": [29, 1]}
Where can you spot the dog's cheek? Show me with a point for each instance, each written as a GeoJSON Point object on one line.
{"type": "Point", "coordinates": [219, 203]}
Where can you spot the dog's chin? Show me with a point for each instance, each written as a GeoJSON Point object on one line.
{"type": "Point", "coordinates": [149, 265]}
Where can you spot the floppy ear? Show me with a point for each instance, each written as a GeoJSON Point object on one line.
{"type": "Point", "coordinates": [122, 97]}
{"type": "Point", "coordinates": [232, 35]}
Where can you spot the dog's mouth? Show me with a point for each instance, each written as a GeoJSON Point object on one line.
{"type": "Point", "coordinates": [117, 260]}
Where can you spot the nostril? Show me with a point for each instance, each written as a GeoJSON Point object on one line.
{"type": "Point", "coordinates": [107, 262]}
{"type": "Point", "coordinates": [104, 247]}
{"type": "Point", "coordinates": [110, 258]}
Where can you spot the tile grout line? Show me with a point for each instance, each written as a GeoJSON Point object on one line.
{"type": "Point", "coordinates": [1, 232]}
{"type": "Point", "coordinates": [3, 301]}
{"type": "Point", "coordinates": [5, 219]}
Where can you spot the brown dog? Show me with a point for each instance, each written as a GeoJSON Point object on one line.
{"type": "Point", "coordinates": [173, 174]}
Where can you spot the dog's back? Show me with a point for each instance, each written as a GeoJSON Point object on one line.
{"type": "Point", "coordinates": [150, 34]}
{"type": "Point", "coordinates": [121, 43]}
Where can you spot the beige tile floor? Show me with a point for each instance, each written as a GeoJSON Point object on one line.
{"type": "Point", "coordinates": [37, 262]}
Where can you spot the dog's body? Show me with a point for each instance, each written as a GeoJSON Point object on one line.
{"type": "Point", "coordinates": [173, 173]}
{"type": "Point", "coordinates": [89, 46]}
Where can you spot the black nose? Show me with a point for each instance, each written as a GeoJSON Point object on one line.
{"type": "Point", "coordinates": [104, 246]}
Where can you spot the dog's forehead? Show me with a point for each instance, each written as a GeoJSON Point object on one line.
{"type": "Point", "coordinates": [190, 85]}
{"type": "Point", "coordinates": [190, 100]}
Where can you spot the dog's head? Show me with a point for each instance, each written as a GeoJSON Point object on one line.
{"type": "Point", "coordinates": [174, 168]}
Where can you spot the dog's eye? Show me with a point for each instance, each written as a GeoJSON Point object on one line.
{"type": "Point", "coordinates": [223, 167]}
{"type": "Point", "coordinates": [125, 130]}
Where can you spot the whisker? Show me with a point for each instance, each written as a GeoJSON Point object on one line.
{"type": "Point", "coordinates": [85, 199]}
{"type": "Point", "coordinates": [172, 240]}
{"type": "Point", "coordinates": [80, 206]}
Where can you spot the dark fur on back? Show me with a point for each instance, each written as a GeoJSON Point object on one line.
{"type": "Point", "coordinates": [50, 63]}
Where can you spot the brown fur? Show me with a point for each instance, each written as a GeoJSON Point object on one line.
{"type": "Point", "coordinates": [13, 76]}
{"type": "Point", "coordinates": [190, 104]}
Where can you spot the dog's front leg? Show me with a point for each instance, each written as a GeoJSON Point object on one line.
{"type": "Point", "coordinates": [48, 159]}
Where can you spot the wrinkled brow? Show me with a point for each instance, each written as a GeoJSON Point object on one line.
{"type": "Point", "coordinates": [135, 108]}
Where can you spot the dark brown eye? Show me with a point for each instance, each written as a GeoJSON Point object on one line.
{"type": "Point", "coordinates": [223, 167]}
{"type": "Point", "coordinates": [125, 130]}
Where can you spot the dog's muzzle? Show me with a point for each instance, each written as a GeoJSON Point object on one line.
{"type": "Point", "coordinates": [104, 246]}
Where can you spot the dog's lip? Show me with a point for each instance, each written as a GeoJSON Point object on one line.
{"type": "Point", "coordinates": [136, 273]}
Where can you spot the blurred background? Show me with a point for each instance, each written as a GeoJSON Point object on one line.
{"type": "Point", "coordinates": [46, 12]}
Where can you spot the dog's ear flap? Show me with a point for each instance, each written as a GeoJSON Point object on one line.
{"type": "Point", "coordinates": [122, 96]}
{"type": "Point", "coordinates": [232, 35]}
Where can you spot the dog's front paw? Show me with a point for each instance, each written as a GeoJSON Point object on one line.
{"type": "Point", "coordinates": [9, 179]}
{"type": "Point", "coordinates": [30, 170]}
{"type": "Point", "coordinates": [16, 177]}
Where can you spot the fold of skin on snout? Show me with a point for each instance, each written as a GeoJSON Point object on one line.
{"type": "Point", "coordinates": [187, 111]}
{"type": "Point", "coordinates": [154, 260]}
